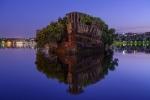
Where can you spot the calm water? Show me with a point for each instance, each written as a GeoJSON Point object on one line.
{"type": "Point", "coordinates": [26, 75]}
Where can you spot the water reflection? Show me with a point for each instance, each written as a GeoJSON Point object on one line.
{"type": "Point", "coordinates": [76, 71]}
{"type": "Point", "coordinates": [132, 49]}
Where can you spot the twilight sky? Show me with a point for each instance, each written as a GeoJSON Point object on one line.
{"type": "Point", "coordinates": [21, 18]}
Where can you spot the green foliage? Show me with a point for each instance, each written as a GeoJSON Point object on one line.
{"type": "Point", "coordinates": [86, 20]}
{"type": "Point", "coordinates": [108, 35]}
{"type": "Point", "coordinates": [54, 32]}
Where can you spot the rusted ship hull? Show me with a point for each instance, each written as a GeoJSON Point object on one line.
{"type": "Point", "coordinates": [80, 37]}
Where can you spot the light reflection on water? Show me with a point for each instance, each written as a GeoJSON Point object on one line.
{"type": "Point", "coordinates": [132, 49]}
{"type": "Point", "coordinates": [90, 77]}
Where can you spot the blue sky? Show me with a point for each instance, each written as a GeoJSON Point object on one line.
{"type": "Point", "coordinates": [21, 18]}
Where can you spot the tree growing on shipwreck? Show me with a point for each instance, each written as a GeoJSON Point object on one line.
{"type": "Point", "coordinates": [74, 32]}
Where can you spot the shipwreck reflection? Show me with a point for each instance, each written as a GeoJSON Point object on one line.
{"type": "Point", "coordinates": [77, 71]}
